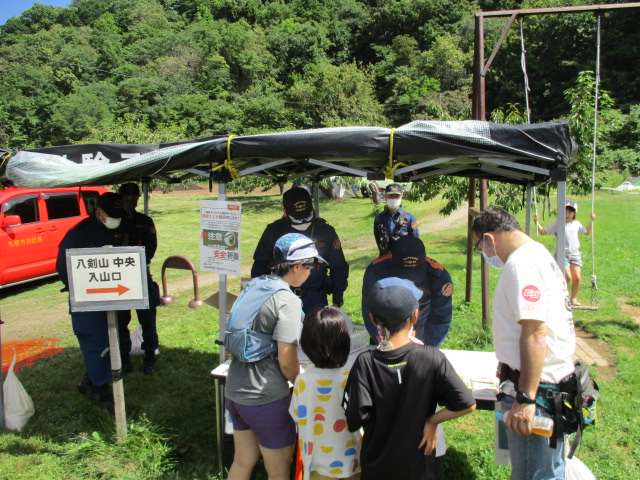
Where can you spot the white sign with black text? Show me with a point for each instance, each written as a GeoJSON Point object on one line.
{"type": "Point", "coordinates": [107, 278]}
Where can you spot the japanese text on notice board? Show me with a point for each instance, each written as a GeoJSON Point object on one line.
{"type": "Point", "coordinates": [220, 236]}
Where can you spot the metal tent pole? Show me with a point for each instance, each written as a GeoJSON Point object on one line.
{"type": "Point", "coordinates": [562, 220]}
{"type": "Point", "coordinates": [527, 228]}
{"type": "Point", "coordinates": [145, 198]}
{"type": "Point", "coordinates": [222, 286]}
{"type": "Point", "coordinates": [316, 197]}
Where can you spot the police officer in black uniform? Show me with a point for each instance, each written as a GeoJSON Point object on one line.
{"type": "Point", "coordinates": [98, 230]}
{"type": "Point", "coordinates": [138, 230]}
{"type": "Point", "coordinates": [393, 222]}
{"type": "Point", "coordinates": [408, 260]}
{"type": "Point", "coordinates": [300, 217]}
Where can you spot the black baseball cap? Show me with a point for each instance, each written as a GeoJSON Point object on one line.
{"type": "Point", "coordinates": [408, 257]}
{"type": "Point", "coordinates": [297, 204]}
{"type": "Point", "coordinates": [393, 188]}
{"type": "Point", "coordinates": [393, 300]}
{"type": "Point", "coordinates": [112, 204]}
{"type": "Point", "coordinates": [129, 189]}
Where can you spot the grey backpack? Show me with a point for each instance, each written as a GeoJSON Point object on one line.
{"type": "Point", "coordinates": [240, 339]}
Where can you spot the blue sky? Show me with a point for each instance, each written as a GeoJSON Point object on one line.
{"type": "Point", "coordinates": [13, 8]}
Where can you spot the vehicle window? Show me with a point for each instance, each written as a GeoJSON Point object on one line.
{"type": "Point", "coordinates": [25, 206]}
{"type": "Point", "coordinates": [62, 205]}
{"type": "Point", "coordinates": [90, 200]}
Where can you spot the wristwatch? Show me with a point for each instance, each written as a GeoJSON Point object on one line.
{"type": "Point", "coordinates": [523, 398]}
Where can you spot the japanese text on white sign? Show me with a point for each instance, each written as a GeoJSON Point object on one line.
{"type": "Point", "coordinates": [107, 277]}
{"type": "Point", "coordinates": [220, 236]}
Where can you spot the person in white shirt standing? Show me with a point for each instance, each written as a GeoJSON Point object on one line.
{"type": "Point", "coordinates": [572, 255]}
{"type": "Point", "coordinates": [533, 336]}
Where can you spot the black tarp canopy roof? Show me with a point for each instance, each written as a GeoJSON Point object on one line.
{"type": "Point", "coordinates": [517, 154]}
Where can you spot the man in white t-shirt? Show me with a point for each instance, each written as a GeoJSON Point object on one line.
{"type": "Point", "coordinates": [533, 336]}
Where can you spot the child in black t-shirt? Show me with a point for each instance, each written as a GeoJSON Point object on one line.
{"type": "Point", "coordinates": [393, 392]}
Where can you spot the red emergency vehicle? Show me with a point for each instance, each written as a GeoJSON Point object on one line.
{"type": "Point", "coordinates": [32, 224]}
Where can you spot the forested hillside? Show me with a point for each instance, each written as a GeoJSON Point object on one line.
{"type": "Point", "coordinates": [151, 70]}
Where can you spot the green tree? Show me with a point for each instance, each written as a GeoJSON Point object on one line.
{"type": "Point", "coordinates": [295, 45]}
{"type": "Point", "coordinates": [132, 129]}
{"type": "Point", "coordinates": [401, 81]}
{"type": "Point", "coordinates": [76, 114]}
{"type": "Point", "coordinates": [245, 51]}
{"type": "Point", "coordinates": [107, 41]}
{"type": "Point", "coordinates": [329, 96]}
{"type": "Point", "coordinates": [145, 19]}
{"type": "Point", "coordinates": [448, 63]}
{"type": "Point", "coordinates": [37, 18]}
{"type": "Point", "coordinates": [624, 140]}
{"type": "Point", "coordinates": [581, 97]}
{"type": "Point", "coordinates": [424, 20]}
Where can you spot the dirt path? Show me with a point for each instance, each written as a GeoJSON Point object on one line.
{"type": "Point", "coordinates": [436, 222]}
{"type": "Point", "coordinates": [629, 310]}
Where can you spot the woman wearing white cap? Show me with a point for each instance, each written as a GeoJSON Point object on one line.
{"type": "Point", "coordinates": [572, 255]}
{"type": "Point", "coordinates": [257, 390]}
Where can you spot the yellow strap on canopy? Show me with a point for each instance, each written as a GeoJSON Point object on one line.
{"type": "Point", "coordinates": [228, 163]}
{"type": "Point", "coordinates": [390, 168]}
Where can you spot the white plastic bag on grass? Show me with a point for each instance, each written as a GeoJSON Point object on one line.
{"type": "Point", "coordinates": [18, 406]}
{"type": "Point", "coordinates": [574, 469]}
{"type": "Point", "coordinates": [136, 342]}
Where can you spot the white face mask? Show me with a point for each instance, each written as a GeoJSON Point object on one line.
{"type": "Point", "coordinates": [495, 261]}
{"type": "Point", "coordinates": [111, 223]}
{"type": "Point", "coordinates": [393, 203]}
{"type": "Point", "coordinates": [301, 226]}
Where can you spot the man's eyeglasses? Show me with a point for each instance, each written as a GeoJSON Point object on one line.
{"type": "Point", "coordinates": [476, 247]}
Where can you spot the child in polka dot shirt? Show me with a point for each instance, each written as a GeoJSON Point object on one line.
{"type": "Point", "coordinates": [328, 449]}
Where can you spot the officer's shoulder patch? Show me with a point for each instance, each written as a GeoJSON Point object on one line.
{"type": "Point", "coordinates": [336, 244]}
{"type": "Point", "coordinates": [414, 226]}
{"type": "Point", "coordinates": [447, 289]}
{"type": "Point", "coordinates": [434, 264]}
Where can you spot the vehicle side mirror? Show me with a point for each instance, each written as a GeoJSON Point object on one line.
{"type": "Point", "coordinates": [11, 220]}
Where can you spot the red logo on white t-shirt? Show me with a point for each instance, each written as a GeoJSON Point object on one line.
{"type": "Point", "coordinates": [531, 293]}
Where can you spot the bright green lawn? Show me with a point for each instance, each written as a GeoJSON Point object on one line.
{"type": "Point", "coordinates": [174, 408]}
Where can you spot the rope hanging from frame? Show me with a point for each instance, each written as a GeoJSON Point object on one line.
{"type": "Point", "coordinates": [523, 64]}
{"type": "Point", "coordinates": [594, 279]}
{"type": "Point", "coordinates": [527, 89]}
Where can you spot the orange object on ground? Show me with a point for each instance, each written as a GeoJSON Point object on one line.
{"type": "Point", "coordinates": [299, 467]}
{"type": "Point", "coordinates": [28, 351]}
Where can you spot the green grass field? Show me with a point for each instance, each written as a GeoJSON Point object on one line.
{"type": "Point", "coordinates": [171, 413]}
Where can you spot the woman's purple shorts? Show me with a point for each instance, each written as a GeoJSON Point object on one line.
{"type": "Point", "coordinates": [270, 423]}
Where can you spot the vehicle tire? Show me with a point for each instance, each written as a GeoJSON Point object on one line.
{"type": "Point", "coordinates": [374, 190]}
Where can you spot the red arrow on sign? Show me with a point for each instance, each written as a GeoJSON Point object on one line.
{"type": "Point", "coordinates": [120, 289]}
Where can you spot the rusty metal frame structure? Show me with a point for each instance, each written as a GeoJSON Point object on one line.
{"type": "Point", "coordinates": [480, 69]}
